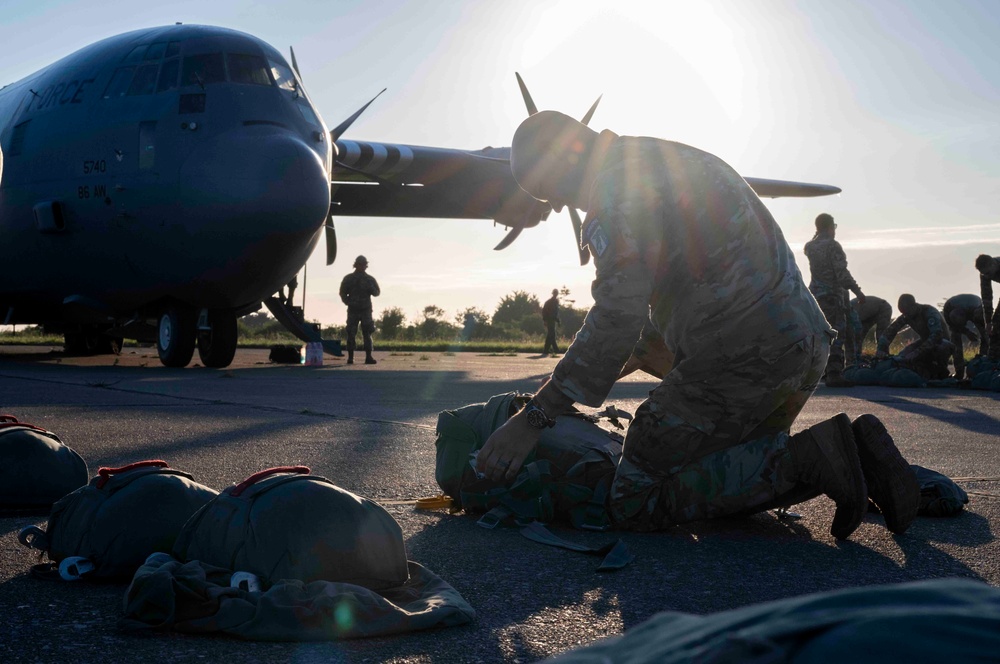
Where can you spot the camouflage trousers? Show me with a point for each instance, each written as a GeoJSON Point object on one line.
{"type": "Point", "coordinates": [833, 308]}
{"type": "Point", "coordinates": [712, 439]}
{"type": "Point", "coordinates": [362, 317]}
{"type": "Point", "coordinates": [994, 345]}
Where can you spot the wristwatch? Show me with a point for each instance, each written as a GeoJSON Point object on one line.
{"type": "Point", "coordinates": [536, 416]}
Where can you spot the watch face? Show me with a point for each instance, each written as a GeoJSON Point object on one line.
{"type": "Point", "coordinates": [536, 417]}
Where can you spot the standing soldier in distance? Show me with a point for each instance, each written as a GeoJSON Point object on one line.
{"type": "Point", "coordinates": [693, 270]}
{"type": "Point", "coordinates": [356, 291]}
{"type": "Point", "coordinates": [960, 313]}
{"type": "Point", "coordinates": [853, 341]}
{"type": "Point", "coordinates": [875, 312]}
{"type": "Point", "coordinates": [830, 277]}
{"type": "Point", "coordinates": [550, 316]}
{"type": "Point", "coordinates": [989, 272]}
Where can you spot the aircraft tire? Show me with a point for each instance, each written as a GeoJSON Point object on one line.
{"type": "Point", "coordinates": [176, 337]}
{"type": "Point", "coordinates": [217, 347]}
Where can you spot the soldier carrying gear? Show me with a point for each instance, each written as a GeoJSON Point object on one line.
{"type": "Point", "coordinates": [830, 277]}
{"type": "Point", "coordinates": [550, 316]}
{"type": "Point", "coordinates": [989, 272]}
{"type": "Point", "coordinates": [928, 356]}
{"type": "Point", "coordinates": [356, 291]}
{"type": "Point", "coordinates": [695, 283]}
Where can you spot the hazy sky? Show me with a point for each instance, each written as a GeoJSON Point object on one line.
{"type": "Point", "coordinates": [894, 102]}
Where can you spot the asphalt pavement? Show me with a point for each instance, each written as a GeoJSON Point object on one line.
{"type": "Point", "coordinates": [370, 429]}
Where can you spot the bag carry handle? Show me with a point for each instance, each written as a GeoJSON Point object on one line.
{"type": "Point", "coordinates": [256, 477]}
{"type": "Point", "coordinates": [7, 421]}
{"type": "Point", "coordinates": [106, 473]}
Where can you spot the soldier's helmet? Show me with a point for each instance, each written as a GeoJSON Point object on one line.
{"type": "Point", "coordinates": [545, 151]}
{"type": "Point", "coordinates": [360, 261]}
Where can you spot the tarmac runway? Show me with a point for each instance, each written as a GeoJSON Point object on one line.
{"type": "Point", "coordinates": [370, 429]}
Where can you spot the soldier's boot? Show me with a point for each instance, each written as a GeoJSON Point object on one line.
{"type": "Point", "coordinates": [369, 359]}
{"type": "Point", "coordinates": [836, 379]}
{"type": "Point", "coordinates": [892, 484]}
{"type": "Point", "coordinates": [350, 356]}
{"type": "Point", "coordinates": [825, 458]}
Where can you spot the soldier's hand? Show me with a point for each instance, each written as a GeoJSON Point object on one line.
{"type": "Point", "coordinates": [861, 299]}
{"type": "Point", "coordinates": [505, 450]}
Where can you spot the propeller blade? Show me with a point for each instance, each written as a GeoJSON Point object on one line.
{"type": "Point", "coordinates": [528, 102]}
{"type": "Point", "coordinates": [339, 130]}
{"type": "Point", "coordinates": [590, 113]}
{"type": "Point", "coordinates": [295, 65]}
{"type": "Point", "coordinates": [508, 238]}
{"type": "Point", "coordinates": [584, 250]}
{"type": "Point", "coordinates": [331, 241]}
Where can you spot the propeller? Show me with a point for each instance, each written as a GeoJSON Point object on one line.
{"type": "Point", "coordinates": [331, 241]}
{"type": "Point", "coordinates": [574, 215]}
{"type": "Point", "coordinates": [337, 132]}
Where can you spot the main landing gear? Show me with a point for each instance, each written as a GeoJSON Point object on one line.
{"type": "Point", "coordinates": [212, 330]}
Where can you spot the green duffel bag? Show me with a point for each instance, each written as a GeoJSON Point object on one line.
{"type": "Point", "coordinates": [36, 468]}
{"type": "Point", "coordinates": [567, 476]}
{"type": "Point", "coordinates": [107, 529]}
{"type": "Point", "coordinates": [283, 523]}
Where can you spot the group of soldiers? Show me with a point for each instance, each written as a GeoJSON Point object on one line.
{"type": "Point", "coordinates": [940, 335]}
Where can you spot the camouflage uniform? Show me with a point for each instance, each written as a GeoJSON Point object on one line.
{"type": "Point", "coordinates": [854, 341]}
{"type": "Point", "coordinates": [356, 291]}
{"type": "Point", "coordinates": [986, 289]}
{"type": "Point", "coordinates": [929, 355]}
{"type": "Point", "coordinates": [970, 308]}
{"type": "Point", "coordinates": [688, 256]}
{"type": "Point", "coordinates": [830, 277]}
{"type": "Point", "coordinates": [875, 312]}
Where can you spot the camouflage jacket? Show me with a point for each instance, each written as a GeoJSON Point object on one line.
{"type": "Point", "coordinates": [927, 323]}
{"type": "Point", "coordinates": [986, 288]}
{"type": "Point", "coordinates": [357, 290]}
{"type": "Point", "coordinates": [968, 304]}
{"type": "Point", "coordinates": [873, 308]}
{"type": "Point", "coordinates": [688, 257]}
{"type": "Point", "coordinates": [828, 267]}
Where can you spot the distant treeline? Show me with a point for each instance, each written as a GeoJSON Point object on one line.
{"type": "Point", "coordinates": [517, 318]}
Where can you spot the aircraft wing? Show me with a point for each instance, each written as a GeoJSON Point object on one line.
{"type": "Point", "coordinates": [391, 180]}
{"type": "Point", "coordinates": [786, 188]}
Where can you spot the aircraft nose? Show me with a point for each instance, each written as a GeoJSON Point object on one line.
{"type": "Point", "coordinates": [256, 183]}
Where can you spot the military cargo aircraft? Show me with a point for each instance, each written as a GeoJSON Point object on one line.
{"type": "Point", "coordinates": [159, 184]}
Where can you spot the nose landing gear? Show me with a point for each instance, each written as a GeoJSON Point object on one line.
{"type": "Point", "coordinates": [176, 336]}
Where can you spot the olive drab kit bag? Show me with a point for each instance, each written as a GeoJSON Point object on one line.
{"type": "Point", "coordinates": [283, 523]}
{"type": "Point", "coordinates": [107, 529]}
{"type": "Point", "coordinates": [289, 556]}
{"type": "Point", "coordinates": [566, 478]}
{"type": "Point", "coordinates": [36, 467]}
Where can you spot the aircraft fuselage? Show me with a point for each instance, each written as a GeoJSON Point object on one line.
{"type": "Point", "coordinates": [176, 166]}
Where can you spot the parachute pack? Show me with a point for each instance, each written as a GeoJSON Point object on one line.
{"type": "Point", "coordinates": [566, 478]}
{"type": "Point", "coordinates": [107, 529]}
{"type": "Point", "coordinates": [36, 467]}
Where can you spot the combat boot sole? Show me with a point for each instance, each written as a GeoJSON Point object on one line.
{"type": "Point", "coordinates": [892, 484]}
{"type": "Point", "coordinates": [830, 464]}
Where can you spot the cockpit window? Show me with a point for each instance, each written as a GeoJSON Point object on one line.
{"type": "Point", "coordinates": [203, 69]}
{"type": "Point", "coordinates": [120, 82]}
{"type": "Point", "coordinates": [156, 51]}
{"type": "Point", "coordinates": [251, 69]}
{"type": "Point", "coordinates": [135, 55]}
{"type": "Point", "coordinates": [144, 81]}
{"type": "Point", "coordinates": [173, 49]}
{"type": "Point", "coordinates": [283, 76]}
{"type": "Point", "coordinates": [168, 75]}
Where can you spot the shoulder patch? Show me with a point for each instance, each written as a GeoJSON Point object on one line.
{"type": "Point", "coordinates": [597, 238]}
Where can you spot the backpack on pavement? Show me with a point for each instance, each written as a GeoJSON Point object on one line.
{"type": "Point", "coordinates": [283, 523]}
{"type": "Point", "coordinates": [107, 529]}
{"type": "Point", "coordinates": [36, 467]}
